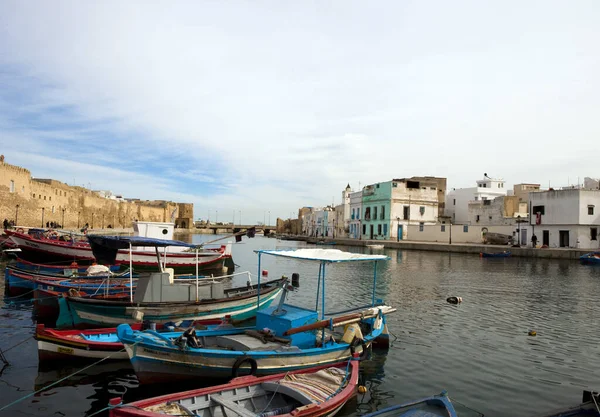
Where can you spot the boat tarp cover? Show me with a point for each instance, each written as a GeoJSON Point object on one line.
{"type": "Point", "coordinates": [105, 248]}
{"type": "Point", "coordinates": [324, 255]}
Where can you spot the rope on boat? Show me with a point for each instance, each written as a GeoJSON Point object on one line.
{"type": "Point", "coordinates": [595, 403]}
{"type": "Point", "coordinates": [19, 296]}
{"type": "Point", "coordinates": [60, 380]}
{"type": "Point", "coordinates": [472, 409]}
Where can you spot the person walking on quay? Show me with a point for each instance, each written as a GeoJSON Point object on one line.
{"type": "Point", "coordinates": [534, 240]}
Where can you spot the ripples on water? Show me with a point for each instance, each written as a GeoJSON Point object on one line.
{"type": "Point", "coordinates": [479, 350]}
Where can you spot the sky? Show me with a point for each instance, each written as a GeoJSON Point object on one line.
{"type": "Point", "coordinates": [261, 107]}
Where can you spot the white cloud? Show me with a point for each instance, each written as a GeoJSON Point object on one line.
{"type": "Point", "coordinates": [273, 103]}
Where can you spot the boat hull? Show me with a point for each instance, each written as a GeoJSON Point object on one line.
{"type": "Point", "coordinates": [78, 312]}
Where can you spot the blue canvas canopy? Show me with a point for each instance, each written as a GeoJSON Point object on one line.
{"type": "Point", "coordinates": [105, 248]}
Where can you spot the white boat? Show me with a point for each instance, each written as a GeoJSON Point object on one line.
{"type": "Point", "coordinates": [375, 246]}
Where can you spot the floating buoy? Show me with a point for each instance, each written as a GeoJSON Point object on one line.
{"type": "Point", "coordinates": [532, 333]}
{"type": "Point", "coordinates": [362, 389]}
{"type": "Point", "coordinates": [265, 273]}
{"type": "Point", "coordinates": [454, 300]}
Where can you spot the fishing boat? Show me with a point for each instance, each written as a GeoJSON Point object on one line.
{"type": "Point", "coordinates": [503, 254]}
{"type": "Point", "coordinates": [437, 405]}
{"type": "Point", "coordinates": [158, 298]}
{"type": "Point", "coordinates": [55, 344]}
{"type": "Point", "coordinates": [65, 269]}
{"type": "Point", "coordinates": [590, 406]}
{"type": "Point", "coordinates": [50, 246]}
{"type": "Point", "coordinates": [286, 337]}
{"type": "Point", "coordinates": [592, 258]}
{"type": "Point", "coordinates": [320, 391]}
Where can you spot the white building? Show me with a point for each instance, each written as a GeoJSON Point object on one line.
{"type": "Point", "coordinates": [566, 218]}
{"type": "Point", "coordinates": [458, 199]}
{"type": "Point", "coordinates": [500, 211]}
{"type": "Point", "coordinates": [355, 210]}
{"type": "Point", "coordinates": [413, 203]}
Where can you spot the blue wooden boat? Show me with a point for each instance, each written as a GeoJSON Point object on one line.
{"type": "Point", "coordinates": [590, 407]}
{"type": "Point", "coordinates": [504, 254]}
{"type": "Point", "coordinates": [286, 337]}
{"type": "Point", "coordinates": [437, 405]}
{"type": "Point", "coordinates": [158, 298]}
{"type": "Point", "coordinates": [592, 258]}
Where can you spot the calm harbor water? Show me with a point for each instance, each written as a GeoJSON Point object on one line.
{"type": "Point", "coordinates": [479, 351]}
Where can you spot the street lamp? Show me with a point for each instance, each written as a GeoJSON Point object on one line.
{"type": "Point", "coordinates": [92, 220]}
{"type": "Point", "coordinates": [398, 229]}
{"type": "Point", "coordinates": [43, 216]}
{"type": "Point", "coordinates": [63, 218]}
{"type": "Point", "coordinates": [17, 215]}
{"type": "Point", "coordinates": [78, 213]}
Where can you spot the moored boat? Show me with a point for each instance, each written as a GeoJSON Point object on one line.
{"type": "Point", "coordinates": [590, 407]}
{"type": "Point", "coordinates": [55, 344]}
{"type": "Point", "coordinates": [307, 393]}
{"type": "Point", "coordinates": [44, 246]}
{"type": "Point", "coordinates": [294, 338]}
{"type": "Point", "coordinates": [592, 258]}
{"type": "Point", "coordinates": [375, 246]}
{"type": "Point", "coordinates": [437, 405]}
{"type": "Point", "coordinates": [503, 254]}
{"type": "Point", "coordinates": [158, 298]}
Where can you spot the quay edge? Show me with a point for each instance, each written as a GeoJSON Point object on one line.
{"type": "Point", "coordinates": [469, 248]}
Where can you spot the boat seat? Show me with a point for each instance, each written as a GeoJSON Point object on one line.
{"type": "Point", "coordinates": [230, 405]}
{"type": "Point", "coordinates": [285, 390]}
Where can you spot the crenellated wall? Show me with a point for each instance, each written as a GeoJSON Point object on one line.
{"type": "Point", "coordinates": [33, 202]}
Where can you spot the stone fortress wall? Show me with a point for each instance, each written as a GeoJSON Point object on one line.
{"type": "Point", "coordinates": [32, 202]}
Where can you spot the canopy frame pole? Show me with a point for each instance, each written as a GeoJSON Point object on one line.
{"type": "Point", "coordinates": [374, 282]}
{"type": "Point", "coordinates": [130, 273]}
{"type": "Point", "coordinates": [197, 274]}
{"type": "Point", "coordinates": [158, 259]}
{"type": "Point", "coordinates": [165, 260]}
{"type": "Point", "coordinates": [258, 289]}
{"type": "Point", "coordinates": [318, 287]}
{"type": "Point", "coordinates": [323, 305]}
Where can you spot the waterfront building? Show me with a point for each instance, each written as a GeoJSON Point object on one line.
{"type": "Point", "coordinates": [504, 210]}
{"type": "Point", "coordinates": [458, 199]}
{"type": "Point", "coordinates": [355, 214]}
{"type": "Point", "coordinates": [521, 191]}
{"type": "Point", "coordinates": [567, 218]}
{"type": "Point", "coordinates": [390, 207]}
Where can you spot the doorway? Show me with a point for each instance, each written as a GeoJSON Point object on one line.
{"type": "Point", "coordinates": [546, 238]}
{"type": "Point", "coordinates": [400, 232]}
{"type": "Point", "coordinates": [371, 232]}
{"type": "Point", "coordinates": [523, 237]}
{"type": "Point", "coordinates": [563, 237]}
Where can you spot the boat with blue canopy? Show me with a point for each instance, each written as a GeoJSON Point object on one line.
{"type": "Point", "coordinates": [158, 298]}
{"type": "Point", "coordinates": [286, 337]}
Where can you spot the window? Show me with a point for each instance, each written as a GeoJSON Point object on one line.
{"type": "Point", "coordinates": [50, 198]}
{"type": "Point", "coordinates": [593, 233]}
{"type": "Point", "coordinates": [39, 196]}
{"type": "Point", "coordinates": [539, 209]}
{"type": "Point", "coordinates": [454, 202]}
{"type": "Point", "coordinates": [498, 185]}
{"type": "Point", "coordinates": [385, 229]}
{"type": "Point", "coordinates": [487, 202]}
{"type": "Point", "coordinates": [52, 209]}
{"type": "Point", "coordinates": [476, 198]}
{"type": "Point", "coordinates": [591, 210]}
{"type": "Point", "coordinates": [379, 229]}
{"type": "Point", "coordinates": [484, 185]}
{"type": "Point", "coordinates": [352, 214]}
{"type": "Point", "coordinates": [394, 185]}
{"type": "Point", "coordinates": [382, 216]}
{"type": "Point", "coordinates": [375, 213]}
{"type": "Point", "coordinates": [466, 228]}
{"type": "Point", "coordinates": [477, 218]}
{"type": "Point", "coordinates": [33, 195]}
{"type": "Point", "coordinates": [65, 194]}
{"type": "Point", "coordinates": [422, 210]}
{"type": "Point", "coordinates": [364, 229]}
{"type": "Point", "coordinates": [367, 213]}
{"type": "Point", "coordinates": [44, 197]}
{"type": "Point", "coordinates": [443, 228]}
{"type": "Point", "coordinates": [421, 226]}
{"type": "Point", "coordinates": [12, 186]}
{"type": "Point", "coordinates": [377, 186]}
{"type": "Point", "coordinates": [55, 192]}
{"type": "Point", "coordinates": [406, 212]}
{"type": "Point", "coordinates": [433, 188]}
